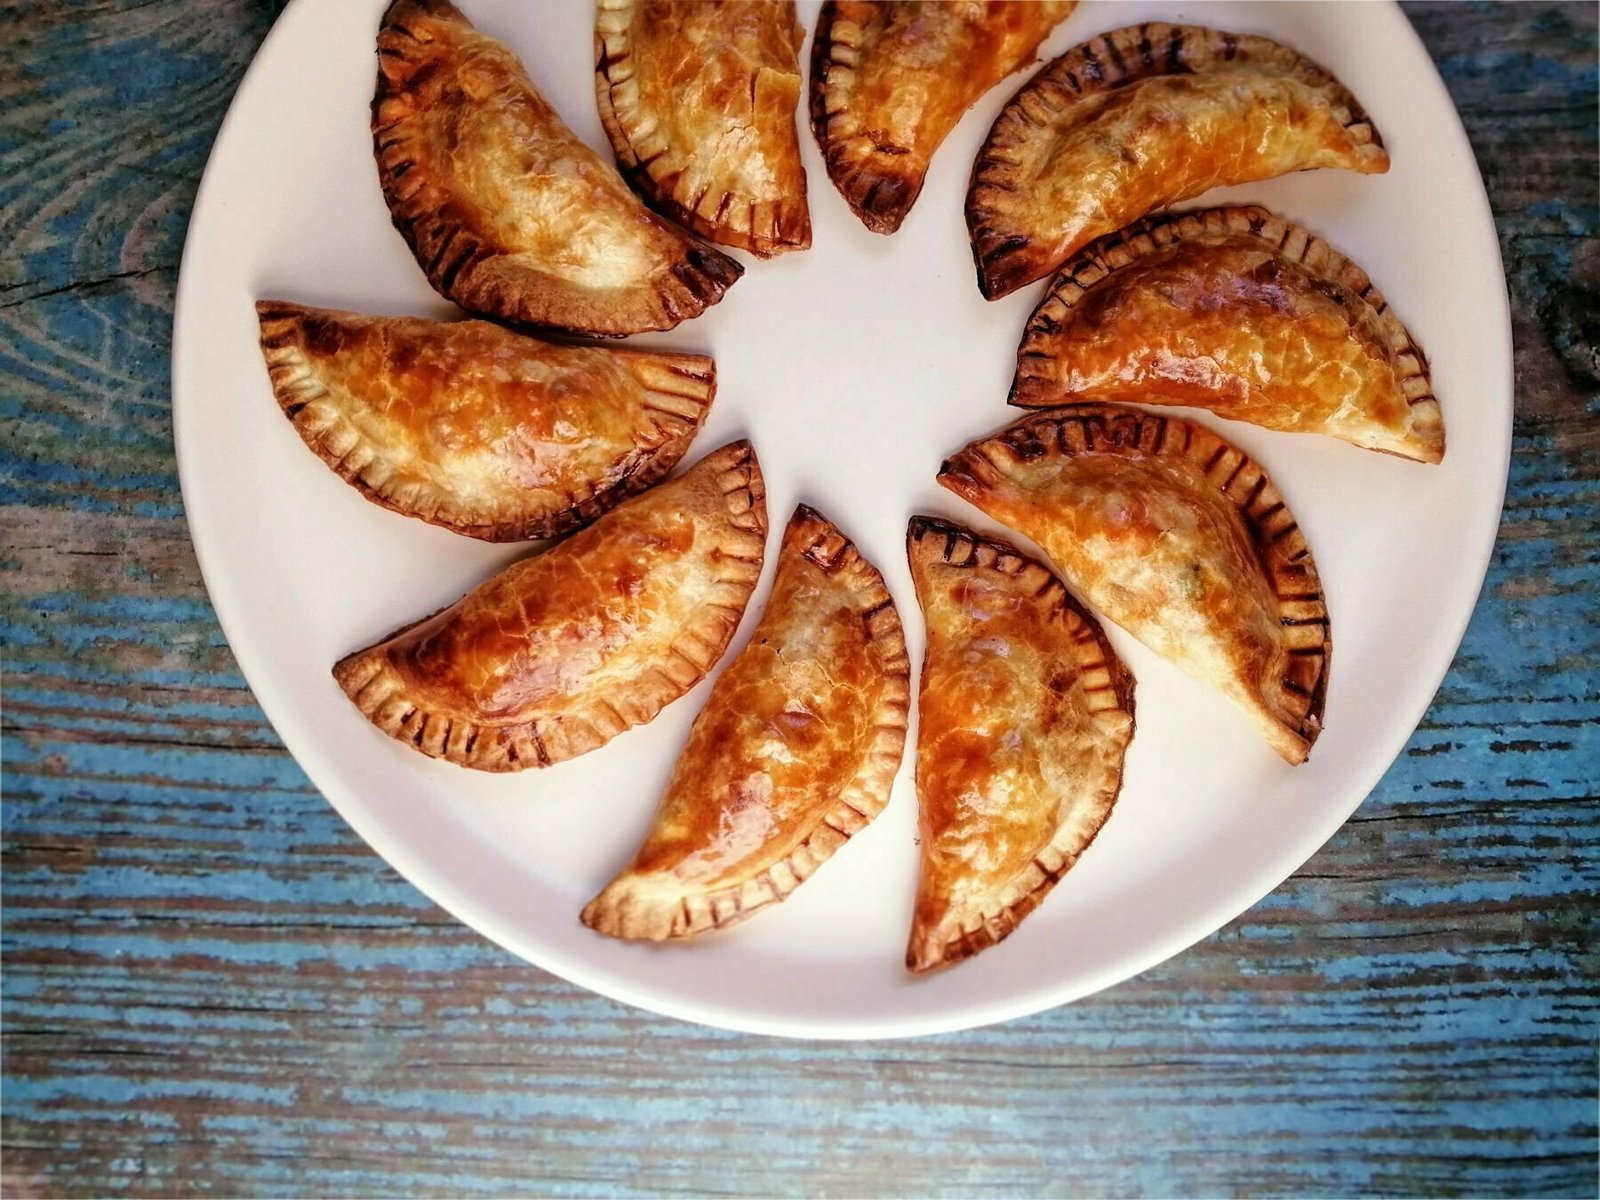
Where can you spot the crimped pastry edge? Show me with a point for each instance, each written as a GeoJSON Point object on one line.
{"type": "Point", "coordinates": [477, 274]}
{"type": "Point", "coordinates": [649, 907]}
{"type": "Point", "coordinates": [333, 438]}
{"type": "Point", "coordinates": [1103, 258]}
{"type": "Point", "coordinates": [379, 692]}
{"type": "Point", "coordinates": [1122, 430]}
{"type": "Point", "coordinates": [948, 943]}
{"type": "Point", "coordinates": [1113, 59]}
{"type": "Point", "coordinates": [735, 218]}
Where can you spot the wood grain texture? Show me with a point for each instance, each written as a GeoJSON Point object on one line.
{"type": "Point", "coordinates": [211, 985]}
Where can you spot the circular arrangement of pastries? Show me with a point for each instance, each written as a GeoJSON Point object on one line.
{"type": "Point", "coordinates": [1154, 523]}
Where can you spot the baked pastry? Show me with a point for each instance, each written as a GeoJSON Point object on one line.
{"type": "Point", "coordinates": [469, 426]}
{"type": "Point", "coordinates": [1238, 311]}
{"type": "Point", "coordinates": [891, 78]}
{"type": "Point", "coordinates": [796, 750]}
{"type": "Point", "coordinates": [698, 98]}
{"type": "Point", "coordinates": [560, 652]}
{"type": "Point", "coordinates": [1140, 118]}
{"type": "Point", "coordinates": [1176, 536]}
{"type": "Point", "coordinates": [507, 212]}
{"type": "Point", "coordinates": [1025, 714]}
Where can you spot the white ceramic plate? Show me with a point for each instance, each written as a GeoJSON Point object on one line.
{"type": "Point", "coordinates": [855, 367]}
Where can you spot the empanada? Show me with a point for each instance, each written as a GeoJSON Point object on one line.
{"type": "Point", "coordinates": [1140, 118]}
{"type": "Point", "coordinates": [891, 78]}
{"type": "Point", "coordinates": [1025, 713]}
{"type": "Point", "coordinates": [469, 426]}
{"type": "Point", "coordinates": [795, 750]}
{"type": "Point", "coordinates": [560, 652]}
{"type": "Point", "coordinates": [507, 212]}
{"type": "Point", "coordinates": [698, 98]}
{"type": "Point", "coordinates": [1176, 536]}
{"type": "Point", "coordinates": [1238, 311]}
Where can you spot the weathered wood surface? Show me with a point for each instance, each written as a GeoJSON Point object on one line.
{"type": "Point", "coordinates": [211, 985]}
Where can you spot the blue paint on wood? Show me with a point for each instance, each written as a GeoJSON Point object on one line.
{"type": "Point", "coordinates": [212, 985]}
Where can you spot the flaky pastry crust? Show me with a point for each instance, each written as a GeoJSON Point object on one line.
{"type": "Point", "coordinates": [1179, 538]}
{"type": "Point", "coordinates": [507, 212]}
{"type": "Point", "coordinates": [795, 751]}
{"type": "Point", "coordinates": [467, 425]}
{"type": "Point", "coordinates": [891, 78]}
{"type": "Point", "coordinates": [1140, 118]}
{"type": "Point", "coordinates": [1025, 715]}
{"type": "Point", "coordinates": [560, 652]}
{"type": "Point", "coordinates": [698, 98]}
{"type": "Point", "coordinates": [1238, 311]}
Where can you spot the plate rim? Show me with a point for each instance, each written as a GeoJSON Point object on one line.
{"type": "Point", "coordinates": [441, 890]}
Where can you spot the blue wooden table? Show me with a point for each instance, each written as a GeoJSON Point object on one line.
{"type": "Point", "coordinates": [211, 985]}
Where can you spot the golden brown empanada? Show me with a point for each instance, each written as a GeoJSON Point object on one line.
{"type": "Point", "coordinates": [698, 98]}
{"type": "Point", "coordinates": [1176, 536]}
{"type": "Point", "coordinates": [1238, 311]}
{"type": "Point", "coordinates": [1140, 118]}
{"type": "Point", "coordinates": [1025, 715]}
{"type": "Point", "coordinates": [486, 432]}
{"type": "Point", "coordinates": [507, 212]}
{"type": "Point", "coordinates": [891, 78]}
{"type": "Point", "coordinates": [795, 750]}
{"type": "Point", "coordinates": [560, 652]}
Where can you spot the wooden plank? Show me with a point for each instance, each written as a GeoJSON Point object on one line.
{"type": "Point", "coordinates": [212, 986]}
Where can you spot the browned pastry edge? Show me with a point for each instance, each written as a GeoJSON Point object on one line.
{"type": "Point", "coordinates": [620, 910]}
{"type": "Point", "coordinates": [463, 267]}
{"type": "Point", "coordinates": [880, 198]}
{"type": "Point", "coordinates": [377, 689]}
{"type": "Point", "coordinates": [1112, 60]}
{"type": "Point", "coordinates": [337, 443]}
{"type": "Point", "coordinates": [1117, 430]}
{"type": "Point", "coordinates": [964, 548]}
{"type": "Point", "coordinates": [729, 225]}
{"type": "Point", "coordinates": [1031, 387]}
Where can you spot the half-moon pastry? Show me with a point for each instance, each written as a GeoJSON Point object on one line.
{"type": "Point", "coordinates": [507, 212]}
{"type": "Point", "coordinates": [1140, 118]}
{"type": "Point", "coordinates": [1238, 311]}
{"type": "Point", "coordinates": [1176, 536]}
{"type": "Point", "coordinates": [560, 652]}
{"type": "Point", "coordinates": [1025, 714]}
{"type": "Point", "coordinates": [891, 78]}
{"type": "Point", "coordinates": [796, 750]}
{"type": "Point", "coordinates": [698, 98]}
{"type": "Point", "coordinates": [469, 426]}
